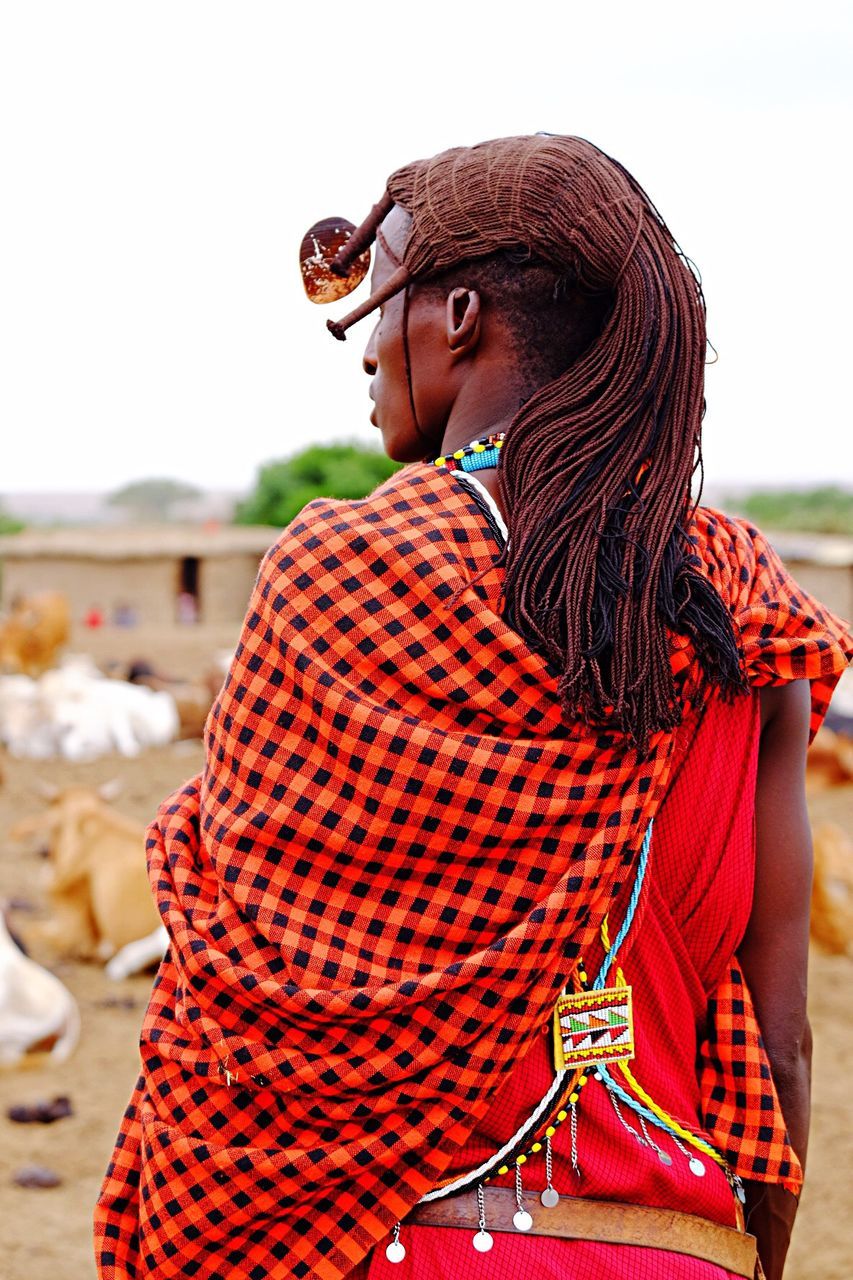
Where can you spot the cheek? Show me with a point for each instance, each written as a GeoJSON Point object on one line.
{"type": "Point", "coordinates": [431, 382]}
{"type": "Point", "coordinates": [390, 366]}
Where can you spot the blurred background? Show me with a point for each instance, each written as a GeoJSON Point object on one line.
{"type": "Point", "coordinates": [169, 399]}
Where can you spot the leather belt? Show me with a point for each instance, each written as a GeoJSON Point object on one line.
{"type": "Point", "coordinates": [604, 1221]}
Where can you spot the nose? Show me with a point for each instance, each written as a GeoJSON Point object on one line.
{"type": "Point", "coordinates": [369, 363]}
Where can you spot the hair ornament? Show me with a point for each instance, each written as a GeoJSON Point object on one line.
{"type": "Point", "coordinates": [322, 246]}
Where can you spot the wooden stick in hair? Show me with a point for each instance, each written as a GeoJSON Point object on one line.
{"type": "Point", "coordinates": [362, 237]}
{"type": "Point", "coordinates": [392, 285]}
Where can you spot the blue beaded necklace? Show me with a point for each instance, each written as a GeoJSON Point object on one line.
{"type": "Point", "coordinates": [474, 457]}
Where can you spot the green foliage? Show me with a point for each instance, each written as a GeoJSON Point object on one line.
{"type": "Point", "coordinates": [153, 499]}
{"type": "Point", "coordinates": [828, 509]}
{"type": "Point", "coordinates": [8, 524]}
{"type": "Point", "coordinates": [321, 471]}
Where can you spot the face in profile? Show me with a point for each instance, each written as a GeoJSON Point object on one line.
{"type": "Point", "coordinates": [385, 360]}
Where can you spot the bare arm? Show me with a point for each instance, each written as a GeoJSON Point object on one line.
{"type": "Point", "coordinates": [774, 951]}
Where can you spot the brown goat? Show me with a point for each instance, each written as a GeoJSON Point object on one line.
{"type": "Point", "coordinates": [98, 883]}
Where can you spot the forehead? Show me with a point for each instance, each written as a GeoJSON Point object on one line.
{"type": "Point", "coordinates": [395, 229]}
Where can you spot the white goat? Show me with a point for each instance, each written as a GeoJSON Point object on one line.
{"type": "Point", "coordinates": [36, 1010]}
{"type": "Point", "coordinates": [76, 713]}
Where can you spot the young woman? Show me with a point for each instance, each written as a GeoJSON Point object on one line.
{"type": "Point", "coordinates": [500, 857]}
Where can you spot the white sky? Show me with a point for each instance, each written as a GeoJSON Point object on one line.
{"type": "Point", "coordinates": [160, 161]}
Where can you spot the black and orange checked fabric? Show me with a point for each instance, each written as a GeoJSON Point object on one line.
{"type": "Point", "coordinates": [740, 1106]}
{"type": "Point", "coordinates": [380, 883]}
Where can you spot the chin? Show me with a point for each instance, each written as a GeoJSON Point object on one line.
{"type": "Point", "coordinates": [402, 446]}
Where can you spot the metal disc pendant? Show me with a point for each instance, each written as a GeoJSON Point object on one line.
{"type": "Point", "coordinates": [395, 1252]}
{"type": "Point", "coordinates": [521, 1220]}
{"type": "Point", "coordinates": [664, 1157]}
{"type": "Point", "coordinates": [697, 1167]}
{"type": "Point", "coordinates": [482, 1241]}
{"type": "Point", "coordinates": [550, 1198]}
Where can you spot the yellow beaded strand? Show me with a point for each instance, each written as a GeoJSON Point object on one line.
{"type": "Point", "coordinates": [699, 1143]}
{"type": "Point", "coordinates": [571, 1097]}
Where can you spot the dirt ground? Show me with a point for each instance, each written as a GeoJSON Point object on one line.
{"type": "Point", "coordinates": [45, 1234]}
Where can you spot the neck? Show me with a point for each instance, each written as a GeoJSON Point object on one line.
{"type": "Point", "coordinates": [484, 406]}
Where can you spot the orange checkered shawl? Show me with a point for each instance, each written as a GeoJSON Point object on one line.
{"type": "Point", "coordinates": [381, 882]}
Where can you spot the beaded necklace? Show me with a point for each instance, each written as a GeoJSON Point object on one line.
{"type": "Point", "coordinates": [476, 456]}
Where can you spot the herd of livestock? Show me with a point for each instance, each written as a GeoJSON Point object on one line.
{"type": "Point", "coordinates": [98, 903]}
{"type": "Point", "coordinates": [70, 710]}
{"type": "Point", "coordinates": [95, 886]}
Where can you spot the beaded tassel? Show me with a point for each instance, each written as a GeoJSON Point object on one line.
{"type": "Point", "coordinates": [396, 1252]}
{"type": "Point", "coordinates": [694, 1164]}
{"type": "Point", "coordinates": [550, 1196]}
{"type": "Point", "coordinates": [624, 1123]}
{"type": "Point", "coordinates": [521, 1219]}
{"type": "Point", "coordinates": [662, 1155]}
{"type": "Point", "coordinates": [573, 1133]}
{"type": "Point", "coordinates": [482, 1240]}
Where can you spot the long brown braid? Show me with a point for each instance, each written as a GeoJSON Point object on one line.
{"type": "Point", "coordinates": [597, 464]}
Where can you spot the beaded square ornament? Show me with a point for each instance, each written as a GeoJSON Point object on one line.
{"type": "Point", "coordinates": [592, 1027]}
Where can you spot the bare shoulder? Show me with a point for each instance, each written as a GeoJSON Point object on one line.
{"type": "Point", "coordinates": [785, 717]}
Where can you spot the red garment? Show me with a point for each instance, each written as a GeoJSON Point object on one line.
{"type": "Point", "coordinates": [700, 889]}
{"type": "Point", "coordinates": [381, 882]}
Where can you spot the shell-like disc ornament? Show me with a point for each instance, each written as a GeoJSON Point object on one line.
{"type": "Point", "coordinates": [320, 245]}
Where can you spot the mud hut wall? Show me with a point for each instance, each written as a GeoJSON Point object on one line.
{"type": "Point", "coordinates": [831, 584]}
{"type": "Point", "coordinates": [225, 584]}
{"type": "Point", "coordinates": [149, 586]}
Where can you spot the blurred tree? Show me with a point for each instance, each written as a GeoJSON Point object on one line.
{"type": "Point", "coordinates": [320, 471]}
{"type": "Point", "coordinates": [153, 499]}
{"type": "Point", "coordinates": [827, 509]}
{"type": "Point", "coordinates": [9, 524]}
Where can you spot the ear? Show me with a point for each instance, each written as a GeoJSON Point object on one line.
{"type": "Point", "coordinates": [463, 320]}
